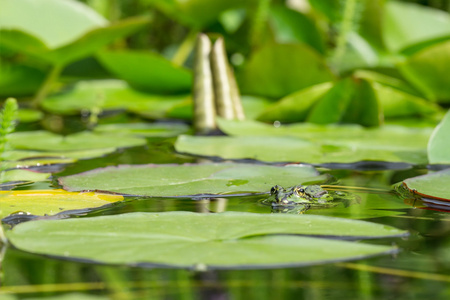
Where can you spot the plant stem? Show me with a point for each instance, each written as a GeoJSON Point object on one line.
{"type": "Point", "coordinates": [185, 48]}
{"type": "Point", "coordinates": [47, 85]}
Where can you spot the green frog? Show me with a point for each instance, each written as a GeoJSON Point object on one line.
{"type": "Point", "coordinates": [300, 198]}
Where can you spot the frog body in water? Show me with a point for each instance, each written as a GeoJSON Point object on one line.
{"type": "Point", "coordinates": [300, 194]}
{"type": "Point", "coordinates": [300, 198]}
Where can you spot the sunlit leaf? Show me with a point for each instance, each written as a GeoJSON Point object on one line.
{"type": "Point", "coordinates": [50, 202]}
{"type": "Point", "coordinates": [439, 144]}
{"type": "Point", "coordinates": [428, 69]}
{"type": "Point", "coordinates": [21, 175]}
{"type": "Point", "coordinates": [189, 179]}
{"type": "Point", "coordinates": [184, 239]}
{"type": "Point", "coordinates": [29, 115]}
{"type": "Point", "coordinates": [147, 71]}
{"type": "Point", "coordinates": [144, 129]}
{"type": "Point", "coordinates": [277, 70]}
{"type": "Point", "coordinates": [310, 143]}
{"type": "Point", "coordinates": [47, 141]}
{"type": "Point", "coordinates": [405, 24]}
{"type": "Point", "coordinates": [434, 185]}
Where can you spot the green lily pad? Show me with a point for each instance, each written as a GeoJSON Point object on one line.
{"type": "Point", "coordinates": [310, 143]}
{"type": "Point", "coordinates": [427, 71]}
{"type": "Point", "coordinates": [434, 185]}
{"type": "Point", "coordinates": [147, 71]}
{"type": "Point", "coordinates": [439, 143]}
{"type": "Point", "coordinates": [144, 129]}
{"type": "Point", "coordinates": [189, 179]}
{"type": "Point", "coordinates": [47, 141]}
{"type": "Point", "coordinates": [50, 202]}
{"type": "Point", "coordinates": [27, 158]}
{"type": "Point", "coordinates": [19, 80]}
{"type": "Point", "coordinates": [277, 70]}
{"type": "Point", "coordinates": [405, 24]}
{"type": "Point", "coordinates": [22, 175]}
{"type": "Point", "coordinates": [29, 115]}
{"type": "Point", "coordinates": [184, 239]}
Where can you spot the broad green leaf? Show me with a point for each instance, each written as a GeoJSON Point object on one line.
{"type": "Point", "coordinates": [147, 71]}
{"type": "Point", "coordinates": [19, 80]}
{"type": "Point", "coordinates": [21, 175]}
{"type": "Point", "coordinates": [295, 107]}
{"type": "Point", "coordinates": [277, 70]}
{"type": "Point", "coordinates": [50, 202]}
{"type": "Point", "coordinates": [291, 26]}
{"type": "Point", "coordinates": [184, 239]}
{"type": "Point", "coordinates": [144, 129]}
{"type": "Point", "coordinates": [55, 22]}
{"type": "Point", "coordinates": [111, 94]}
{"type": "Point", "coordinates": [439, 144]}
{"type": "Point", "coordinates": [59, 31]}
{"type": "Point", "coordinates": [193, 12]}
{"type": "Point", "coordinates": [428, 69]}
{"type": "Point", "coordinates": [183, 180]}
{"type": "Point", "coordinates": [332, 106]}
{"type": "Point", "coordinates": [405, 24]}
{"type": "Point", "coordinates": [47, 141]}
{"type": "Point", "coordinates": [434, 185]}
{"type": "Point", "coordinates": [310, 143]}
{"type": "Point", "coordinates": [27, 158]}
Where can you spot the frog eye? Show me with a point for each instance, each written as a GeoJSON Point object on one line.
{"type": "Point", "coordinates": [299, 190]}
{"type": "Point", "coordinates": [274, 189]}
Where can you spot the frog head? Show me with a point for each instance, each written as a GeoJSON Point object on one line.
{"type": "Point", "coordinates": [299, 194]}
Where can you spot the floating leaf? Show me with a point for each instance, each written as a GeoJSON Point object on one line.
{"type": "Point", "coordinates": [310, 143]}
{"type": "Point", "coordinates": [428, 71]}
{"type": "Point", "coordinates": [29, 115]}
{"type": "Point", "coordinates": [183, 180]}
{"type": "Point", "coordinates": [405, 24]}
{"type": "Point", "coordinates": [47, 141]}
{"type": "Point", "coordinates": [439, 144]}
{"type": "Point", "coordinates": [50, 202]}
{"type": "Point", "coordinates": [144, 129]}
{"type": "Point", "coordinates": [147, 71]}
{"type": "Point", "coordinates": [277, 70]}
{"type": "Point", "coordinates": [185, 239]}
{"type": "Point", "coordinates": [21, 175]}
{"type": "Point", "coordinates": [18, 80]}
{"type": "Point", "coordinates": [434, 185]}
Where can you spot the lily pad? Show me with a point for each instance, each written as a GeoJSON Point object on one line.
{"type": "Point", "coordinates": [184, 239]}
{"type": "Point", "coordinates": [439, 144]}
{"type": "Point", "coordinates": [47, 141]}
{"type": "Point", "coordinates": [433, 185]}
{"type": "Point", "coordinates": [50, 202]}
{"type": "Point", "coordinates": [22, 175]}
{"type": "Point", "coordinates": [310, 143]}
{"type": "Point", "coordinates": [189, 179]}
{"type": "Point", "coordinates": [144, 129]}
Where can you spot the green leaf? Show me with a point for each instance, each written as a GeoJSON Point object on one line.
{"type": "Point", "coordinates": [291, 26]}
{"type": "Point", "coordinates": [46, 141]}
{"type": "Point", "coordinates": [147, 71]}
{"type": "Point", "coordinates": [50, 202]}
{"type": "Point", "coordinates": [183, 180]}
{"type": "Point", "coordinates": [296, 106]}
{"type": "Point", "coordinates": [54, 22]}
{"type": "Point", "coordinates": [59, 31]}
{"type": "Point", "coordinates": [310, 143]}
{"type": "Point", "coordinates": [428, 69]}
{"type": "Point", "coordinates": [277, 70]}
{"type": "Point", "coordinates": [22, 175]}
{"type": "Point", "coordinates": [19, 80]}
{"type": "Point", "coordinates": [439, 144]}
{"type": "Point", "coordinates": [185, 239]}
{"type": "Point", "coordinates": [193, 12]}
{"type": "Point", "coordinates": [405, 24]}
{"type": "Point", "coordinates": [144, 129]}
{"type": "Point", "coordinates": [26, 115]}
{"type": "Point", "coordinates": [434, 185]}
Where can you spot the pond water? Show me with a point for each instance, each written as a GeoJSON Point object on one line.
{"type": "Point", "coordinates": [420, 269]}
